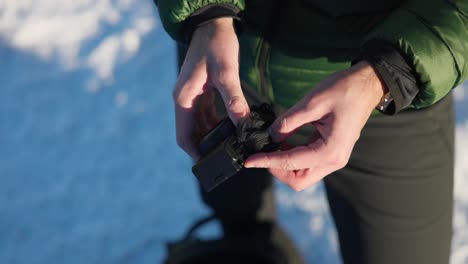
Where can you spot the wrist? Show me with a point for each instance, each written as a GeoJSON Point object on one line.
{"type": "Point", "coordinates": [375, 86]}
{"type": "Point", "coordinates": [391, 64]}
{"type": "Point", "coordinates": [206, 14]}
{"type": "Point", "coordinates": [214, 26]}
{"type": "Point", "coordinates": [222, 22]}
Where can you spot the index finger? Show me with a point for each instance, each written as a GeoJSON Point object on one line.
{"type": "Point", "coordinates": [233, 97]}
{"type": "Point", "coordinates": [301, 157]}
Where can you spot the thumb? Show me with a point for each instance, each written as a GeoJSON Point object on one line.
{"type": "Point", "coordinates": [233, 97]}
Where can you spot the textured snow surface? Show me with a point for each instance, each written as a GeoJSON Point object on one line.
{"type": "Point", "coordinates": [90, 172]}
{"type": "Point", "coordinates": [62, 31]}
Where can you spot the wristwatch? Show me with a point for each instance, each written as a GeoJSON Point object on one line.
{"type": "Point", "coordinates": [385, 101]}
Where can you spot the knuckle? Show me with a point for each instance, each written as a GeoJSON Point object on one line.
{"type": "Point", "coordinates": [235, 104]}
{"type": "Point", "coordinates": [343, 161]}
{"type": "Point", "coordinates": [290, 183]}
{"type": "Point", "coordinates": [339, 159]}
{"type": "Point", "coordinates": [183, 97]}
{"type": "Point", "coordinates": [176, 96]}
{"type": "Point", "coordinates": [182, 102]}
{"type": "Point", "coordinates": [298, 188]}
{"type": "Point", "coordinates": [295, 186]}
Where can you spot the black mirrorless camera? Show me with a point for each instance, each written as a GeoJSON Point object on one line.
{"type": "Point", "coordinates": [225, 148]}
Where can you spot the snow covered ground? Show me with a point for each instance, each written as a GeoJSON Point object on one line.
{"type": "Point", "coordinates": [90, 172]}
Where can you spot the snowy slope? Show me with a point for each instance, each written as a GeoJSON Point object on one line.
{"type": "Point", "coordinates": [90, 172]}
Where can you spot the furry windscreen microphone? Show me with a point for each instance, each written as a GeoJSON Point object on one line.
{"type": "Point", "coordinates": [225, 148]}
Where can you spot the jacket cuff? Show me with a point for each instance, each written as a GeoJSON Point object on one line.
{"type": "Point", "coordinates": [207, 14]}
{"type": "Point", "coordinates": [399, 78]}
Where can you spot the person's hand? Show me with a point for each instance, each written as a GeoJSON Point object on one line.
{"type": "Point", "coordinates": [205, 116]}
{"type": "Point", "coordinates": [211, 62]}
{"type": "Point", "coordinates": [338, 108]}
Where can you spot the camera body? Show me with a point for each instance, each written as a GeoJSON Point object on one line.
{"type": "Point", "coordinates": [225, 148]}
{"type": "Point", "coordinates": [222, 156]}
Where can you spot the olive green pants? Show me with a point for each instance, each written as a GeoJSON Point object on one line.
{"type": "Point", "coordinates": [391, 204]}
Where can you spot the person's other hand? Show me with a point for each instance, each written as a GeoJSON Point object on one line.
{"type": "Point", "coordinates": [211, 62]}
{"type": "Point", "coordinates": [338, 108]}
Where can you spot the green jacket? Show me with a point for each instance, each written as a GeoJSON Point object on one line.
{"type": "Point", "coordinates": [287, 47]}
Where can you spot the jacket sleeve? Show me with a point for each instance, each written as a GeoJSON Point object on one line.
{"type": "Point", "coordinates": [393, 69]}
{"type": "Point", "coordinates": [433, 38]}
{"type": "Point", "coordinates": [180, 17]}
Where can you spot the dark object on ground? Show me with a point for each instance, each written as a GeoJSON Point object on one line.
{"type": "Point", "coordinates": [225, 148]}
{"type": "Point", "coordinates": [267, 243]}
